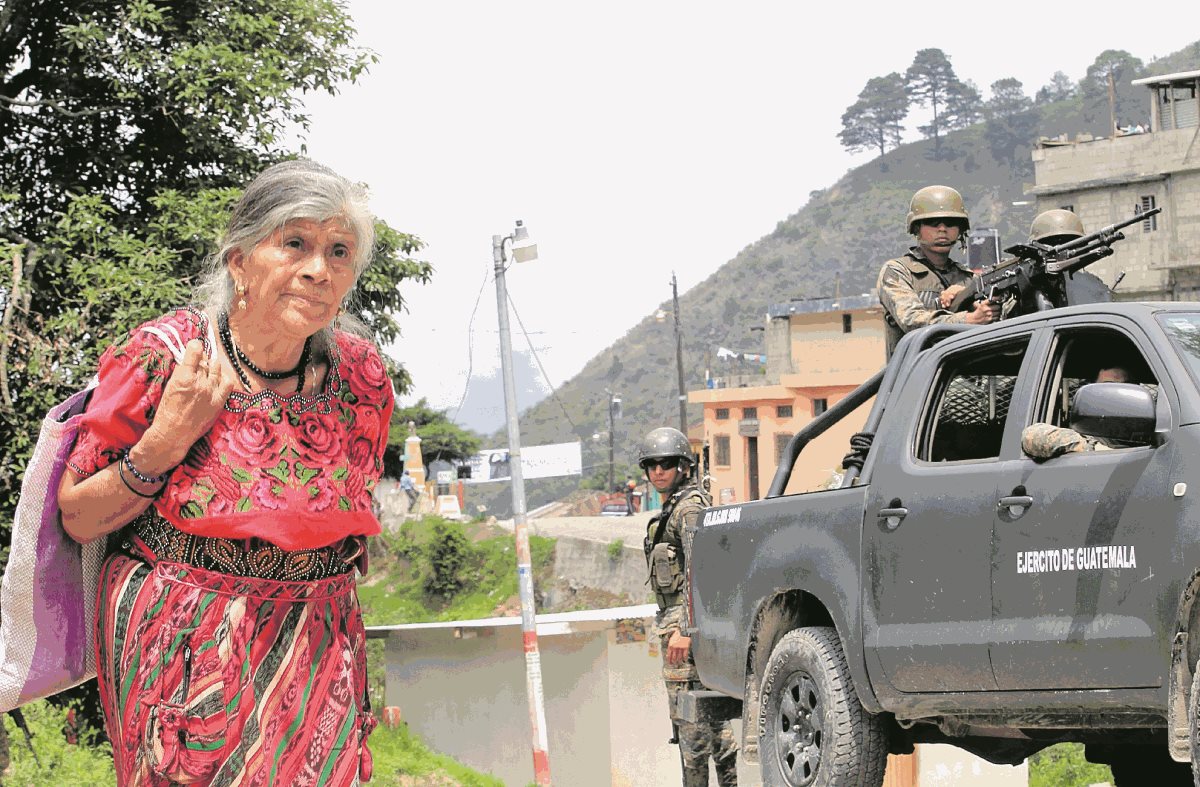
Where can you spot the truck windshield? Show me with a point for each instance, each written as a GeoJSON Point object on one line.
{"type": "Point", "coordinates": [1184, 330]}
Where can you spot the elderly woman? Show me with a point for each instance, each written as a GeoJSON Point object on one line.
{"type": "Point", "coordinates": [236, 482]}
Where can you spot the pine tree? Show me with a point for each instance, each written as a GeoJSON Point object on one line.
{"type": "Point", "coordinates": [1059, 88]}
{"type": "Point", "coordinates": [874, 120]}
{"type": "Point", "coordinates": [1129, 101]}
{"type": "Point", "coordinates": [930, 81]}
{"type": "Point", "coordinates": [1008, 98]}
{"type": "Point", "coordinates": [964, 105]}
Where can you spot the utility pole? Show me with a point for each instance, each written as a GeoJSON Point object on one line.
{"type": "Point", "coordinates": [1112, 102]}
{"type": "Point", "coordinates": [533, 662]}
{"type": "Point", "coordinates": [679, 358]}
{"type": "Point", "coordinates": [614, 402]}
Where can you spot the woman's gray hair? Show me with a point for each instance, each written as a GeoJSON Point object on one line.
{"type": "Point", "coordinates": [285, 192]}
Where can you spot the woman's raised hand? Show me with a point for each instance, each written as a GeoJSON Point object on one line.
{"type": "Point", "coordinates": [191, 402]}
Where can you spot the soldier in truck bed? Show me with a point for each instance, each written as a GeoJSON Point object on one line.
{"type": "Point", "coordinates": [916, 289]}
{"type": "Point", "coordinates": [666, 459]}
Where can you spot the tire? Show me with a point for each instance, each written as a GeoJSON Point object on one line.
{"type": "Point", "coordinates": [813, 732]}
{"type": "Point", "coordinates": [1194, 724]}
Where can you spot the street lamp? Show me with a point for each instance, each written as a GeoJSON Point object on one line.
{"type": "Point", "coordinates": [523, 250]}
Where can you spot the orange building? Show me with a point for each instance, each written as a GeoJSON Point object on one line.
{"type": "Point", "coordinates": [818, 351]}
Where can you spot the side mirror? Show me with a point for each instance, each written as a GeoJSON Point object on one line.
{"type": "Point", "coordinates": [1115, 411]}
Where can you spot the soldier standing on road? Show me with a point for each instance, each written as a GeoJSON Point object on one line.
{"type": "Point", "coordinates": [666, 458]}
{"type": "Point", "coordinates": [917, 288]}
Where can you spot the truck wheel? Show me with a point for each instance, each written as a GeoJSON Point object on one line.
{"type": "Point", "coordinates": [813, 731]}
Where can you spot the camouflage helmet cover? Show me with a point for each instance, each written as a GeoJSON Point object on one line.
{"type": "Point", "coordinates": [1056, 222]}
{"type": "Point", "coordinates": [664, 442]}
{"type": "Point", "coordinates": [936, 202]}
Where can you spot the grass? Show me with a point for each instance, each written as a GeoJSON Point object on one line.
{"type": "Point", "coordinates": [395, 592]}
{"type": "Point", "coordinates": [399, 753]}
{"type": "Point", "coordinates": [56, 762]}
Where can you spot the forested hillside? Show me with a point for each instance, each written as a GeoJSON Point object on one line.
{"type": "Point", "coordinates": [849, 228]}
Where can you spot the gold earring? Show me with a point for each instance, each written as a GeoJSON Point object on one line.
{"type": "Point", "coordinates": [241, 291]}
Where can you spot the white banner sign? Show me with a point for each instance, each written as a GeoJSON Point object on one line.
{"type": "Point", "coordinates": [537, 461]}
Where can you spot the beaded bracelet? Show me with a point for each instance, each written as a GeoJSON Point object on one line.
{"type": "Point", "coordinates": [125, 460]}
{"type": "Point", "coordinates": [130, 487]}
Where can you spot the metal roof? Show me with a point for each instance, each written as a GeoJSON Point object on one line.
{"type": "Point", "coordinates": [819, 305]}
{"type": "Point", "coordinates": [1177, 77]}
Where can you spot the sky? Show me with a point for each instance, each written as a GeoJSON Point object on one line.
{"type": "Point", "coordinates": [633, 139]}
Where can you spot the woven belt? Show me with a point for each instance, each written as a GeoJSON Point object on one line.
{"type": "Point", "coordinates": [152, 538]}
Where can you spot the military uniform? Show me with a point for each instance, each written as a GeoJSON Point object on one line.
{"type": "Point", "coordinates": [909, 287]}
{"type": "Point", "coordinates": [1044, 441]}
{"type": "Point", "coordinates": [668, 542]}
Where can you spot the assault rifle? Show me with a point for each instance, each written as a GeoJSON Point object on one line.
{"type": "Point", "coordinates": [1036, 276]}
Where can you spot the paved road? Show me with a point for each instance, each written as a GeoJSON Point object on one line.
{"type": "Point", "coordinates": [630, 529]}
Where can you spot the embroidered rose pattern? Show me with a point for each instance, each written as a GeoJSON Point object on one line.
{"type": "Point", "coordinates": [315, 454]}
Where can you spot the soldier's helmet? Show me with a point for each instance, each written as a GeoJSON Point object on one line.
{"type": "Point", "coordinates": [1060, 224]}
{"type": "Point", "coordinates": [664, 442]}
{"type": "Point", "coordinates": [936, 202]}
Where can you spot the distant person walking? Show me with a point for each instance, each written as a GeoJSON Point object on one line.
{"type": "Point", "coordinates": [630, 488]}
{"type": "Point", "coordinates": [410, 489]}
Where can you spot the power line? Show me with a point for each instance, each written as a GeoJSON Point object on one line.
{"type": "Point", "coordinates": [545, 376]}
{"type": "Point", "coordinates": [471, 344]}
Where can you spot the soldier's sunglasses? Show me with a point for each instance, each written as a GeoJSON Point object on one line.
{"type": "Point", "coordinates": [665, 464]}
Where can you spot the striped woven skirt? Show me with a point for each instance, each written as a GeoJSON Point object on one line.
{"type": "Point", "coordinates": [209, 678]}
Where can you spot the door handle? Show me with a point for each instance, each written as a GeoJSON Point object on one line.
{"type": "Point", "coordinates": [1016, 504]}
{"type": "Point", "coordinates": [892, 515]}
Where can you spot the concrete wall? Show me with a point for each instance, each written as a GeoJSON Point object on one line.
{"type": "Point", "coordinates": [467, 698]}
{"type": "Point", "coordinates": [584, 563]}
{"type": "Point", "coordinates": [1102, 180]}
{"type": "Point", "coordinates": [948, 766]}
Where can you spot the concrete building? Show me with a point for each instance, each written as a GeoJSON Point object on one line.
{"type": "Point", "coordinates": [1106, 180]}
{"type": "Point", "coordinates": [818, 351]}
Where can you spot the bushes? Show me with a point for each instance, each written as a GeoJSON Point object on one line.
{"type": "Point", "coordinates": [447, 554]}
{"type": "Point", "coordinates": [57, 762]}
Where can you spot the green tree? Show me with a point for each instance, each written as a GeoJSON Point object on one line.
{"type": "Point", "coordinates": [441, 438]}
{"type": "Point", "coordinates": [1059, 88]}
{"type": "Point", "coordinates": [1008, 99]}
{"type": "Point", "coordinates": [1064, 765]}
{"type": "Point", "coordinates": [127, 98]}
{"type": "Point", "coordinates": [964, 105]}
{"type": "Point", "coordinates": [1012, 124]}
{"type": "Point", "coordinates": [874, 120]}
{"type": "Point", "coordinates": [1118, 68]}
{"type": "Point", "coordinates": [930, 81]}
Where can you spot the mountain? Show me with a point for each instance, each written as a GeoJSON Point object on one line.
{"type": "Point", "coordinates": [483, 406]}
{"type": "Point", "coordinates": [848, 229]}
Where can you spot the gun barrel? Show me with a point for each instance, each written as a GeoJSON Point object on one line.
{"type": "Point", "coordinates": [1106, 234]}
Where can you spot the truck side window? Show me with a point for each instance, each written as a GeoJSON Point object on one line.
{"type": "Point", "coordinates": [966, 416]}
{"type": "Point", "coordinates": [1086, 355]}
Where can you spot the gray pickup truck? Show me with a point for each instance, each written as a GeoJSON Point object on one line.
{"type": "Point", "coordinates": [955, 590]}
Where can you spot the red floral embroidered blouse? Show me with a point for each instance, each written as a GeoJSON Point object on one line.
{"type": "Point", "coordinates": [295, 470]}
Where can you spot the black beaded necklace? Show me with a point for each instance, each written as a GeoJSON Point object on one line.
{"type": "Point", "coordinates": [235, 355]}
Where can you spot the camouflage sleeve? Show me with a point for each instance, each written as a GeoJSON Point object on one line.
{"type": "Point", "coordinates": [687, 519]}
{"type": "Point", "coordinates": [1043, 441]}
{"type": "Point", "coordinates": [902, 301]}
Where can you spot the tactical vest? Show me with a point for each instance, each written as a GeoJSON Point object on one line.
{"type": "Point", "coordinates": [928, 282]}
{"type": "Point", "coordinates": [665, 559]}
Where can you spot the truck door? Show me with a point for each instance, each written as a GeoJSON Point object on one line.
{"type": "Point", "coordinates": [928, 528]}
{"type": "Point", "coordinates": [1072, 607]}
